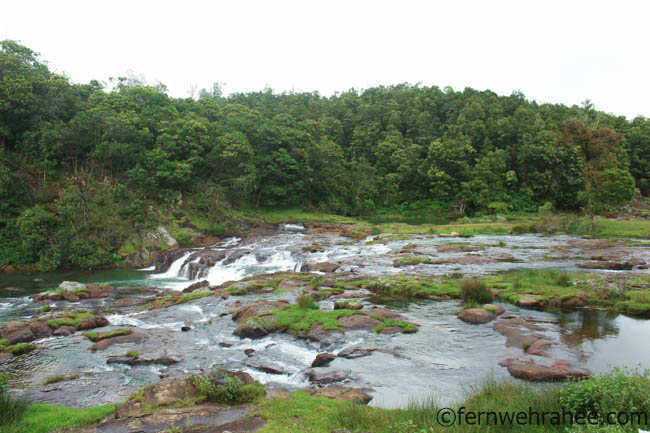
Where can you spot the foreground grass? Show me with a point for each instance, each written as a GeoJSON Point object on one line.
{"type": "Point", "coordinates": [619, 391]}
{"type": "Point", "coordinates": [43, 418]}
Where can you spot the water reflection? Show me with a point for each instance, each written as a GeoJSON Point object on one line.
{"type": "Point", "coordinates": [576, 327]}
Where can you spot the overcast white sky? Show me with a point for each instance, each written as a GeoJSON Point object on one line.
{"type": "Point", "coordinates": [553, 51]}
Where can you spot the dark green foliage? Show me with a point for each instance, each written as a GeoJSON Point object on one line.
{"type": "Point", "coordinates": [226, 389]}
{"type": "Point", "coordinates": [620, 391]}
{"type": "Point", "coordinates": [475, 291]}
{"type": "Point", "coordinates": [82, 168]}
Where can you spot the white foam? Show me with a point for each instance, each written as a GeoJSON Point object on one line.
{"type": "Point", "coordinates": [174, 269]}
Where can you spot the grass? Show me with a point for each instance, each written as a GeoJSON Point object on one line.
{"type": "Point", "coordinates": [415, 260]}
{"type": "Point", "coordinates": [44, 418]}
{"type": "Point", "coordinates": [45, 309]}
{"type": "Point", "coordinates": [168, 301]}
{"type": "Point", "coordinates": [228, 390]}
{"type": "Point", "coordinates": [407, 286]}
{"type": "Point", "coordinates": [20, 349]}
{"type": "Point", "coordinates": [99, 336]}
{"type": "Point", "coordinates": [3, 343]}
{"type": "Point", "coordinates": [69, 319]}
{"type": "Point", "coordinates": [497, 399]}
{"type": "Point", "coordinates": [132, 354]}
{"type": "Point", "coordinates": [475, 291]}
{"type": "Point", "coordinates": [407, 328]}
{"type": "Point", "coordinates": [301, 319]}
{"type": "Point", "coordinates": [548, 283]}
{"type": "Point", "coordinates": [57, 379]}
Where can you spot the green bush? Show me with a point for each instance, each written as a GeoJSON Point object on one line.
{"type": "Point", "coordinates": [475, 291]}
{"type": "Point", "coordinates": [228, 390]}
{"type": "Point", "coordinates": [621, 390]}
{"type": "Point", "coordinates": [306, 302]}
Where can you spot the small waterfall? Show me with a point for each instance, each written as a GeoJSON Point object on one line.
{"type": "Point", "coordinates": [174, 269]}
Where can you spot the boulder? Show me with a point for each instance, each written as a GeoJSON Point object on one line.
{"type": "Point", "coordinates": [532, 302]}
{"type": "Point", "coordinates": [24, 335]}
{"type": "Point", "coordinates": [40, 330]}
{"type": "Point", "coordinates": [486, 314]}
{"type": "Point", "coordinates": [93, 322]}
{"type": "Point", "coordinates": [476, 315]}
{"type": "Point", "coordinates": [325, 377]}
{"type": "Point", "coordinates": [320, 267]}
{"type": "Point", "coordinates": [64, 331]}
{"type": "Point", "coordinates": [133, 337]}
{"type": "Point", "coordinates": [197, 285]}
{"type": "Point", "coordinates": [163, 393]}
{"type": "Point", "coordinates": [559, 371]}
{"type": "Point", "coordinates": [341, 393]}
{"type": "Point", "coordinates": [358, 321]}
{"type": "Point", "coordinates": [260, 307]}
{"type": "Point", "coordinates": [322, 359]}
{"type": "Point", "coordinates": [71, 286]}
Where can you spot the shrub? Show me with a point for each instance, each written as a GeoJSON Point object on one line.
{"type": "Point", "coordinates": [475, 291]}
{"type": "Point", "coordinates": [306, 302]}
{"type": "Point", "coordinates": [621, 390]}
{"type": "Point", "coordinates": [228, 390]}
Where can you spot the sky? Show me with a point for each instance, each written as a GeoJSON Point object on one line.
{"type": "Point", "coordinates": [552, 51]}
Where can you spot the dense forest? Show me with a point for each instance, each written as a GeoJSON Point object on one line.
{"type": "Point", "coordinates": [84, 166]}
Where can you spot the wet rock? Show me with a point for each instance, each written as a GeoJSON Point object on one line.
{"type": "Point", "coordinates": [486, 314]}
{"type": "Point", "coordinates": [537, 347]}
{"type": "Point", "coordinates": [251, 329]}
{"type": "Point", "coordinates": [225, 344]}
{"type": "Point", "coordinates": [133, 337]}
{"type": "Point", "coordinates": [49, 296]}
{"type": "Point", "coordinates": [186, 328]}
{"type": "Point", "coordinates": [24, 335]}
{"type": "Point", "coordinates": [163, 360]}
{"type": "Point", "coordinates": [163, 393]}
{"type": "Point", "coordinates": [71, 286]}
{"type": "Point", "coordinates": [64, 331]}
{"type": "Point", "coordinates": [260, 307]}
{"type": "Point", "coordinates": [40, 330]}
{"type": "Point", "coordinates": [249, 352]}
{"type": "Point", "coordinates": [165, 259]}
{"type": "Point", "coordinates": [317, 332]}
{"type": "Point", "coordinates": [384, 312]}
{"type": "Point", "coordinates": [358, 321]}
{"type": "Point", "coordinates": [197, 285]}
{"type": "Point", "coordinates": [70, 297]}
{"type": "Point", "coordinates": [346, 305]}
{"type": "Point", "coordinates": [533, 302]}
{"type": "Point", "coordinates": [266, 368]}
{"type": "Point", "coordinates": [322, 359]}
{"type": "Point", "coordinates": [612, 266]}
{"type": "Point", "coordinates": [324, 377]}
{"type": "Point", "coordinates": [341, 393]}
{"type": "Point", "coordinates": [320, 267]}
{"type": "Point", "coordinates": [93, 322]}
{"type": "Point", "coordinates": [535, 371]}
{"type": "Point", "coordinates": [38, 280]}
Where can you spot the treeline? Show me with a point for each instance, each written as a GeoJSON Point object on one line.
{"type": "Point", "coordinates": [409, 146]}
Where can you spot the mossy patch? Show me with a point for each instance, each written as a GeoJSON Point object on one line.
{"type": "Point", "coordinates": [57, 379]}
{"type": "Point", "coordinates": [20, 349]}
{"type": "Point", "coordinates": [69, 319]}
{"type": "Point", "coordinates": [99, 336]}
{"type": "Point", "coordinates": [168, 301]}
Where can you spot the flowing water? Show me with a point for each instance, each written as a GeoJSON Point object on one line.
{"type": "Point", "coordinates": [442, 359]}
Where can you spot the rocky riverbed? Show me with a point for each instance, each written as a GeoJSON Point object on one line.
{"type": "Point", "coordinates": [387, 321]}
